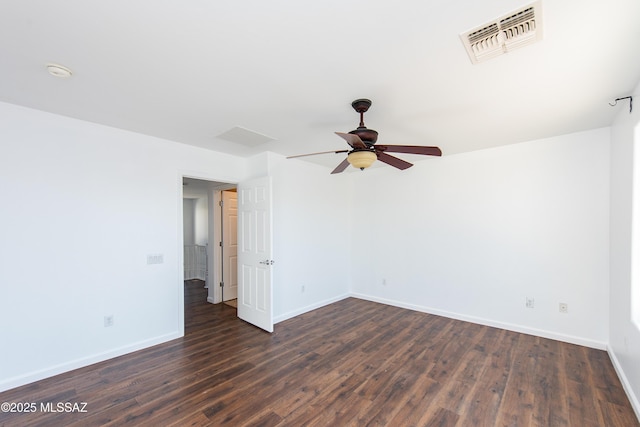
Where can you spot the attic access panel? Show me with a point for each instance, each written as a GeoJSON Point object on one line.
{"type": "Point", "coordinates": [512, 31]}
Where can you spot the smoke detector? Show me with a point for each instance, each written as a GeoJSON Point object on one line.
{"type": "Point", "coordinates": [512, 31]}
{"type": "Point", "coordinates": [59, 71]}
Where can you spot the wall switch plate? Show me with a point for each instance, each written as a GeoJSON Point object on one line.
{"type": "Point", "coordinates": [529, 302]}
{"type": "Point", "coordinates": [563, 307]}
{"type": "Point", "coordinates": [155, 259]}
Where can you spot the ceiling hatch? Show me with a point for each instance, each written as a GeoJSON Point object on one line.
{"type": "Point", "coordinates": [512, 31]}
{"type": "Point", "coordinates": [244, 136]}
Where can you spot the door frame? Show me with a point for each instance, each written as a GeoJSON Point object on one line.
{"type": "Point", "coordinates": [213, 219]}
{"type": "Point", "coordinates": [214, 194]}
{"type": "Point", "coordinates": [223, 259]}
{"type": "Point", "coordinates": [215, 231]}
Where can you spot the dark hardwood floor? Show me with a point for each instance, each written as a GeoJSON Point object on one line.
{"type": "Point", "coordinates": [353, 362]}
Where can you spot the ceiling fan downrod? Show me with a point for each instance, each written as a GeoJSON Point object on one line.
{"type": "Point", "coordinates": [361, 106]}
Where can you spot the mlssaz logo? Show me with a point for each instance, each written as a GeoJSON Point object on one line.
{"type": "Point", "coordinates": [63, 407]}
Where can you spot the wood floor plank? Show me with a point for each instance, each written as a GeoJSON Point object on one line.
{"type": "Point", "coordinates": [420, 404]}
{"type": "Point", "coordinates": [443, 418]}
{"type": "Point", "coordinates": [353, 362]}
{"type": "Point", "coordinates": [582, 405]}
{"type": "Point", "coordinates": [617, 415]}
{"type": "Point", "coordinates": [516, 407]}
{"type": "Point", "coordinates": [486, 398]}
{"type": "Point", "coordinates": [549, 387]}
{"type": "Point", "coordinates": [322, 407]}
{"type": "Point", "coordinates": [459, 381]}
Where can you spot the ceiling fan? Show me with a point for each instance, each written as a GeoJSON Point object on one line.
{"type": "Point", "coordinates": [363, 151]}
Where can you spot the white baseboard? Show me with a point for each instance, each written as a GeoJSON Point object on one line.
{"type": "Point", "coordinates": [308, 308]}
{"type": "Point", "coordinates": [633, 399]}
{"type": "Point", "coordinates": [211, 300]}
{"type": "Point", "coordinates": [488, 322]}
{"type": "Point", "coordinates": [82, 362]}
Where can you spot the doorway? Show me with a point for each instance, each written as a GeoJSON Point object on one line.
{"type": "Point", "coordinates": [203, 228]}
{"type": "Point", "coordinates": [249, 229]}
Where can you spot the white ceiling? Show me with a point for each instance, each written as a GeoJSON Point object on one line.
{"type": "Point", "coordinates": [190, 70]}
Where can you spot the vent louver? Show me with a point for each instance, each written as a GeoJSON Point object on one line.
{"type": "Point", "coordinates": [512, 31]}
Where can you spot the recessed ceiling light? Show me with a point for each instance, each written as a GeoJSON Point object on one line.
{"type": "Point", "coordinates": [59, 71]}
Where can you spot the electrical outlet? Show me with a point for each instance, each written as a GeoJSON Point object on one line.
{"type": "Point", "coordinates": [302, 289]}
{"type": "Point", "coordinates": [529, 302]}
{"type": "Point", "coordinates": [108, 321]}
{"type": "Point", "coordinates": [563, 307]}
{"type": "Point", "coordinates": [384, 282]}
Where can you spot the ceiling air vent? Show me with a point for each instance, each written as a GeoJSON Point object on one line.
{"type": "Point", "coordinates": [511, 31]}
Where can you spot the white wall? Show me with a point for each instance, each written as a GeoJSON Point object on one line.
{"type": "Point", "coordinates": [311, 244]}
{"type": "Point", "coordinates": [201, 221]}
{"type": "Point", "coordinates": [472, 235]}
{"type": "Point", "coordinates": [188, 222]}
{"type": "Point", "coordinates": [196, 195]}
{"type": "Point", "coordinates": [196, 221]}
{"type": "Point", "coordinates": [88, 204]}
{"type": "Point", "coordinates": [624, 335]}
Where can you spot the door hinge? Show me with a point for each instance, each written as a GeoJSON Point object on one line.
{"type": "Point", "coordinates": [222, 284]}
{"type": "Point", "coordinates": [221, 203]}
{"type": "Point", "coordinates": [220, 244]}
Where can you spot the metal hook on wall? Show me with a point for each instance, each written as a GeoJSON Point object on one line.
{"type": "Point", "coordinates": [630, 98]}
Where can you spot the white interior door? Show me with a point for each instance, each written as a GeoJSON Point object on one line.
{"type": "Point", "coordinates": [230, 244]}
{"type": "Point", "coordinates": [255, 295]}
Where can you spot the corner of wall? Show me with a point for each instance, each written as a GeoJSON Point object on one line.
{"type": "Point", "coordinates": [624, 336]}
{"type": "Point", "coordinates": [626, 384]}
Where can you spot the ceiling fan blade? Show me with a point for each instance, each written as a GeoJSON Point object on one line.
{"type": "Point", "coordinates": [352, 140]}
{"type": "Point", "coordinates": [393, 161]}
{"type": "Point", "coordinates": [341, 167]}
{"type": "Point", "coordinates": [321, 152]}
{"type": "Point", "coordinates": [410, 149]}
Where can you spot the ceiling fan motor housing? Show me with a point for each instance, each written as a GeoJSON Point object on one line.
{"type": "Point", "coordinates": [368, 136]}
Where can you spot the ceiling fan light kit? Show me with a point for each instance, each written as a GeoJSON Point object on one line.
{"type": "Point", "coordinates": [364, 152]}
{"type": "Point", "coordinates": [361, 159]}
